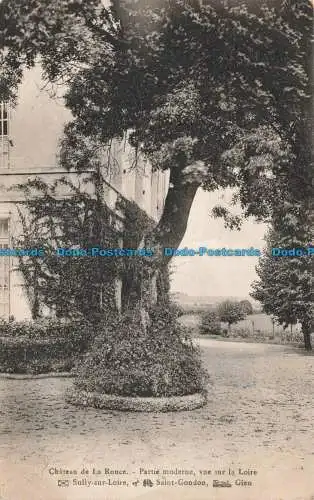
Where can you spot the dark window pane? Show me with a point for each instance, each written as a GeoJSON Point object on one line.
{"type": "Point", "coordinates": [5, 128]}
{"type": "Point", "coordinates": [3, 119]}
{"type": "Point", "coordinates": [3, 228]}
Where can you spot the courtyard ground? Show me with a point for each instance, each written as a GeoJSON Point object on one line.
{"type": "Point", "coordinates": [259, 420]}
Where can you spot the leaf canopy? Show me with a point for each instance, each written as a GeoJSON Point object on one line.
{"type": "Point", "coordinates": [221, 84]}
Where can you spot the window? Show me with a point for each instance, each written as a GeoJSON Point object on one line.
{"type": "Point", "coordinates": [4, 135]}
{"type": "Point", "coordinates": [4, 229]}
{"type": "Point", "coordinates": [4, 271]}
{"type": "Point", "coordinates": [4, 119]}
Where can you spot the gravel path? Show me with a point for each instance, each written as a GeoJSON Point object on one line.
{"type": "Point", "coordinates": [259, 419]}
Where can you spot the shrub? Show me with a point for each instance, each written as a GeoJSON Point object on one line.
{"type": "Point", "coordinates": [244, 333]}
{"type": "Point", "coordinates": [177, 310]}
{"type": "Point", "coordinates": [43, 345]}
{"type": "Point", "coordinates": [126, 361]}
{"type": "Point", "coordinates": [210, 324]}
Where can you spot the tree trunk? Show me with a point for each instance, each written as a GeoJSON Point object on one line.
{"type": "Point", "coordinates": [150, 284]}
{"type": "Point", "coordinates": [35, 306]}
{"type": "Point", "coordinates": [35, 302]}
{"type": "Point", "coordinates": [172, 225]}
{"type": "Point", "coordinates": [306, 330]}
{"type": "Point", "coordinates": [168, 233]}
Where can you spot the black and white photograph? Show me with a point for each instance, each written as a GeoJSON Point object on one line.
{"type": "Point", "coordinates": [156, 250]}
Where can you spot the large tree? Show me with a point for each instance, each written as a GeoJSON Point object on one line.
{"type": "Point", "coordinates": [285, 284]}
{"type": "Point", "coordinates": [211, 90]}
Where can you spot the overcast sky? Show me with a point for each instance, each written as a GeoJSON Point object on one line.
{"type": "Point", "coordinates": [216, 275]}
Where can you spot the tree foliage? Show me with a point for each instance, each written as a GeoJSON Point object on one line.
{"type": "Point", "coordinates": [211, 90]}
{"type": "Point", "coordinates": [285, 285]}
{"type": "Point", "coordinates": [230, 312]}
{"type": "Point", "coordinates": [247, 307]}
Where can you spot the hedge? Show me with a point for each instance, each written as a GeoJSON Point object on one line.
{"type": "Point", "coordinates": [42, 346]}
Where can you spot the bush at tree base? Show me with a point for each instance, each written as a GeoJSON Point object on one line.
{"type": "Point", "coordinates": [210, 324]}
{"type": "Point", "coordinates": [126, 361]}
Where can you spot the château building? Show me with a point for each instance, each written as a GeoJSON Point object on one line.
{"type": "Point", "coordinates": [29, 140]}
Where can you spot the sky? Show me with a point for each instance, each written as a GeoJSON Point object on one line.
{"type": "Point", "coordinates": [216, 276]}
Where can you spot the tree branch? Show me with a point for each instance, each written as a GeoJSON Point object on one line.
{"type": "Point", "coordinates": [172, 225]}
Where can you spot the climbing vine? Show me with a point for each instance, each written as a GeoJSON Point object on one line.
{"type": "Point", "coordinates": [79, 285]}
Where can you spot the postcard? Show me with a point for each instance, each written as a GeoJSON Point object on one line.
{"type": "Point", "coordinates": [156, 250]}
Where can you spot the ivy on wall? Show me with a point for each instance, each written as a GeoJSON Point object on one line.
{"type": "Point", "coordinates": [75, 286]}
